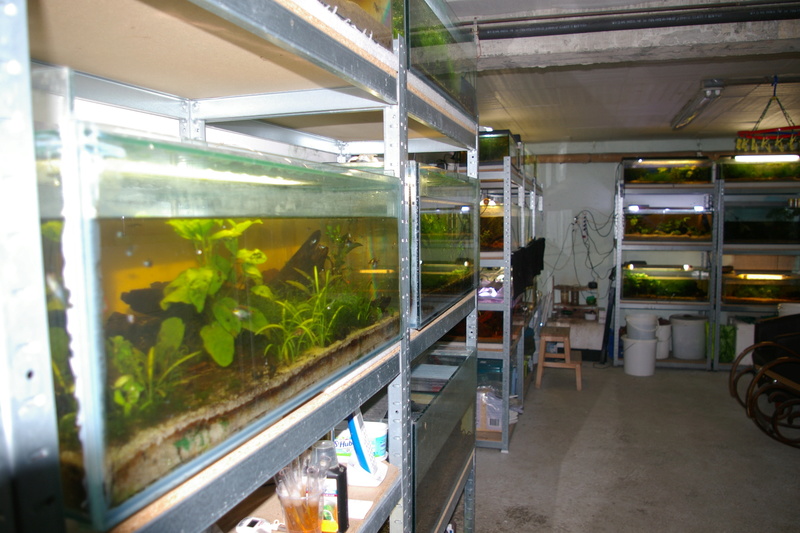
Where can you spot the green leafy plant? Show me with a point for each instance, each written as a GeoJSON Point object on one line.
{"type": "Point", "coordinates": [223, 268]}
{"type": "Point", "coordinates": [146, 377]}
{"type": "Point", "coordinates": [341, 245]}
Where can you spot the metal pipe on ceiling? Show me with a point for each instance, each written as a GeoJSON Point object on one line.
{"type": "Point", "coordinates": [725, 15]}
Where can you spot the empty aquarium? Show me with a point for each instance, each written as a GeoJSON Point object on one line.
{"type": "Point", "coordinates": [445, 250]}
{"type": "Point", "coordinates": [443, 382]}
{"type": "Point", "coordinates": [195, 295]}
{"type": "Point", "coordinates": [762, 219]}
{"type": "Point", "coordinates": [661, 171]}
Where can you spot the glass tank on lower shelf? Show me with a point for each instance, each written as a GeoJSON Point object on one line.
{"type": "Point", "coordinates": [443, 382]}
{"type": "Point", "coordinates": [661, 171]}
{"type": "Point", "coordinates": [667, 282]}
{"type": "Point", "coordinates": [195, 295]}
{"type": "Point", "coordinates": [757, 288]}
{"type": "Point", "coordinates": [445, 249]}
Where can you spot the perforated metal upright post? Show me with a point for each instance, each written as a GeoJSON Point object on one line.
{"type": "Point", "coordinates": [396, 160]}
{"type": "Point", "coordinates": [30, 488]}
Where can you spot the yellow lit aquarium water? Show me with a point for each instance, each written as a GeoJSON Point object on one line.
{"type": "Point", "coordinates": [227, 288]}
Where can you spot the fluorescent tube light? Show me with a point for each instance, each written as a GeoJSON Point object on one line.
{"type": "Point", "coordinates": [767, 158]}
{"type": "Point", "coordinates": [695, 106]}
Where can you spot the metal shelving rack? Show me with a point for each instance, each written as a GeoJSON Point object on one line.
{"type": "Point", "coordinates": [377, 80]}
{"type": "Point", "coordinates": [706, 249]}
{"type": "Point", "coordinates": [755, 192]}
{"type": "Point", "coordinates": [516, 191]}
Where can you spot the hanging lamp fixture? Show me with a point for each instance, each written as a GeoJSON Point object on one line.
{"type": "Point", "coordinates": [779, 142]}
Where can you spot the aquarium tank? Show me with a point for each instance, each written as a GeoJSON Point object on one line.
{"type": "Point", "coordinates": [732, 171]}
{"type": "Point", "coordinates": [660, 171]}
{"type": "Point", "coordinates": [195, 295]}
{"type": "Point", "coordinates": [443, 382]}
{"type": "Point", "coordinates": [444, 244]}
{"type": "Point", "coordinates": [443, 52]}
{"type": "Point", "coordinates": [668, 282]}
{"type": "Point", "coordinates": [668, 226]}
{"type": "Point", "coordinates": [762, 219]}
{"type": "Point", "coordinates": [494, 146]}
{"type": "Point", "coordinates": [760, 287]}
{"type": "Point", "coordinates": [492, 216]}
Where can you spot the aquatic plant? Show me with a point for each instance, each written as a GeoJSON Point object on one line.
{"type": "Point", "coordinates": [202, 286]}
{"type": "Point", "coordinates": [144, 378]}
{"type": "Point", "coordinates": [341, 245]}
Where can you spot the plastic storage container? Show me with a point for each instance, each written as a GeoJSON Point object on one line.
{"type": "Point", "coordinates": [641, 325]}
{"type": "Point", "coordinates": [197, 294]}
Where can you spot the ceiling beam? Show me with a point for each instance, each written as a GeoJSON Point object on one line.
{"type": "Point", "coordinates": [652, 45]}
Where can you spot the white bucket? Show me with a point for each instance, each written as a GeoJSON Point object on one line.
{"type": "Point", "coordinates": [788, 308]}
{"type": "Point", "coordinates": [639, 356]}
{"type": "Point", "coordinates": [664, 338]}
{"type": "Point", "coordinates": [641, 325]}
{"type": "Point", "coordinates": [688, 336]}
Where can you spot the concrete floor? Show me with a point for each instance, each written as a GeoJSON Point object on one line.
{"type": "Point", "coordinates": [672, 452]}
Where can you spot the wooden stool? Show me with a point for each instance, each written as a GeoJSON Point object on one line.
{"type": "Point", "coordinates": [567, 359]}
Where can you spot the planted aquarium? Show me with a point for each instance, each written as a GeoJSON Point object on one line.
{"type": "Point", "coordinates": [443, 382]}
{"type": "Point", "coordinates": [444, 247]}
{"type": "Point", "coordinates": [668, 226]}
{"type": "Point", "coordinates": [495, 145]}
{"type": "Point", "coordinates": [752, 287]}
{"type": "Point", "coordinates": [197, 294]}
{"type": "Point", "coordinates": [669, 282]}
{"type": "Point", "coordinates": [443, 52]}
{"type": "Point", "coordinates": [731, 171]}
{"type": "Point", "coordinates": [761, 219]}
{"type": "Point", "coordinates": [661, 171]}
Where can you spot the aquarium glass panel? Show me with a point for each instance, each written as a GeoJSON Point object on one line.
{"type": "Point", "coordinates": [447, 246]}
{"type": "Point", "coordinates": [761, 219]}
{"type": "Point", "coordinates": [759, 172]}
{"type": "Point", "coordinates": [667, 170]}
{"type": "Point", "coordinates": [382, 20]}
{"type": "Point", "coordinates": [443, 52]}
{"type": "Point", "coordinates": [443, 385]}
{"type": "Point", "coordinates": [216, 290]}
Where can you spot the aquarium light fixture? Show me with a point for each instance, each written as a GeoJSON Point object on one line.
{"type": "Point", "coordinates": [485, 129]}
{"type": "Point", "coordinates": [182, 171]}
{"type": "Point", "coordinates": [763, 277]}
{"type": "Point", "coordinates": [767, 158]}
{"type": "Point", "coordinates": [633, 208]}
{"type": "Point", "coordinates": [699, 208]}
{"type": "Point", "coordinates": [695, 106]}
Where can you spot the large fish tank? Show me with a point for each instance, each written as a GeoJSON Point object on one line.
{"type": "Point", "coordinates": [664, 171]}
{"type": "Point", "coordinates": [732, 171]}
{"type": "Point", "coordinates": [664, 282]}
{"type": "Point", "coordinates": [679, 217]}
{"type": "Point", "coordinates": [760, 287]}
{"type": "Point", "coordinates": [445, 250]}
{"type": "Point", "coordinates": [197, 294]}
